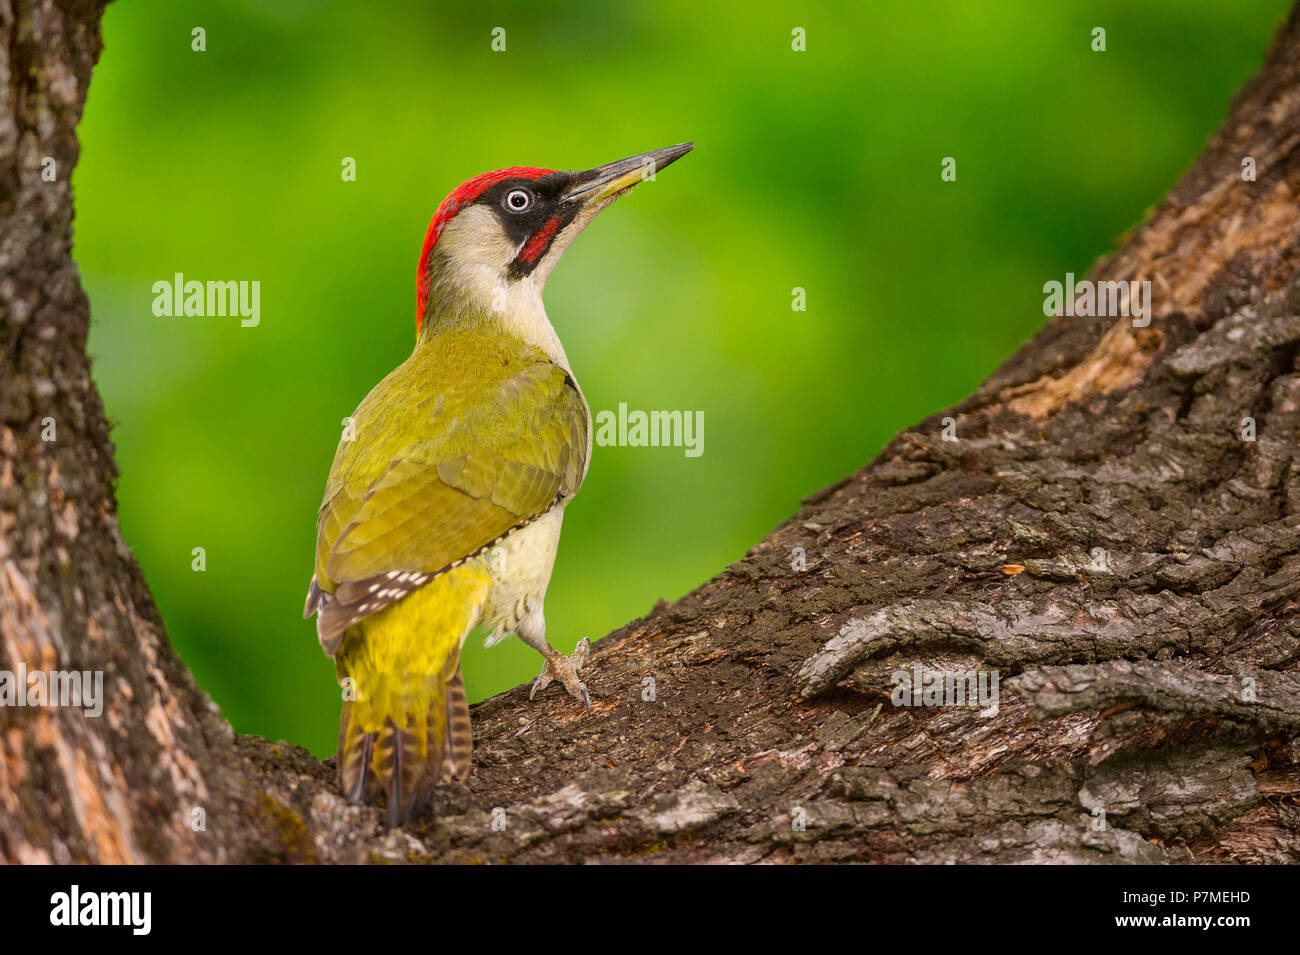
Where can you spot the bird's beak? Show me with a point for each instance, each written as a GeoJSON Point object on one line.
{"type": "Point", "coordinates": [604, 184]}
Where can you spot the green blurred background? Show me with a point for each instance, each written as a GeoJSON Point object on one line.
{"type": "Point", "coordinates": [817, 169]}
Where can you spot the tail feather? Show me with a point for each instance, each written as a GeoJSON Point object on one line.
{"type": "Point", "coordinates": [407, 727]}
{"type": "Point", "coordinates": [355, 750]}
{"type": "Point", "coordinates": [460, 739]}
{"type": "Point", "coordinates": [404, 761]}
{"type": "Point", "coordinates": [407, 759]}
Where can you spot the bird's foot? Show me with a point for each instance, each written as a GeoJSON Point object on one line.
{"type": "Point", "coordinates": [565, 669]}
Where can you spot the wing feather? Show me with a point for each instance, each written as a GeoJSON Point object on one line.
{"type": "Point", "coordinates": [448, 486]}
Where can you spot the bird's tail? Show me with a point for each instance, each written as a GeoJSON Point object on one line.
{"type": "Point", "coordinates": [405, 725]}
{"type": "Point", "coordinates": [411, 752]}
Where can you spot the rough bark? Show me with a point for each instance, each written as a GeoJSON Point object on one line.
{"type": "Point", "coordinates": [1156, 684]}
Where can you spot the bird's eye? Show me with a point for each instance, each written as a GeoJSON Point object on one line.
{"type": "Point", "coordinates": [518, 200]}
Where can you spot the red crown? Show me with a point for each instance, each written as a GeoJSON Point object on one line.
{"type": "Point", "coordinates": [460, 197]}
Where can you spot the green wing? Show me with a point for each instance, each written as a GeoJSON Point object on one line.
{"type": "Point", "coordinates": [428, 484]}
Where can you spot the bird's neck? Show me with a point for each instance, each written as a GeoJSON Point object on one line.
{"type": "Point", "coordinates": [477, 299]}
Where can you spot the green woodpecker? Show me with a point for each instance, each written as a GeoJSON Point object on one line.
{"type": "Point", "coordinates": [443, 507]}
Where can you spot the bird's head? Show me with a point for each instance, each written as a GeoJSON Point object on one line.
{"type": "Point", "coordinates": [495, 240]}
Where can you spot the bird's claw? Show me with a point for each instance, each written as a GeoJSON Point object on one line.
{"type": "Point", "coordinates": [565, 669]}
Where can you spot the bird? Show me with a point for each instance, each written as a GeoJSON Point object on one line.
{"type": "Point", "coordinates": [443, 507]}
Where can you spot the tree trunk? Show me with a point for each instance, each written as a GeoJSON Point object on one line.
{"type": "Point", "coordinates": [1103, 534]}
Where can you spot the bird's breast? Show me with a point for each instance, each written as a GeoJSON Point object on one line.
{"type": "Point", "coordinates": [519, 567]}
